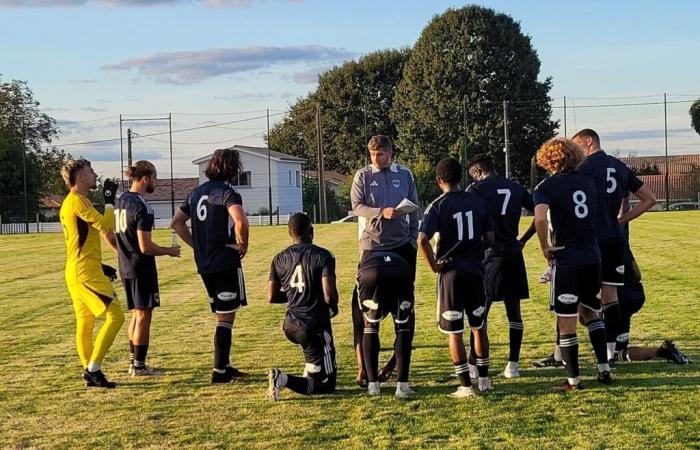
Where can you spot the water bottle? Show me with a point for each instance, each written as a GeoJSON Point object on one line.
{"type": "Point", "coordinates": [174, 242]}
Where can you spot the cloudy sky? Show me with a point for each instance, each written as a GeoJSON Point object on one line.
{"type": "Point", "coordinates": [217, 65]}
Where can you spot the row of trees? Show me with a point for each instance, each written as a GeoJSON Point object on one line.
{"type": "Point", "coordinates": [444, 96]}
{"type": "Point", "coordinates": [25, 152]}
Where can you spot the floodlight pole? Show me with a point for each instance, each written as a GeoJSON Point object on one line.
{"type": "Point", "coordinates": [506, 147]}
{"type": "Point", "coordinates": [121, 152]}
{"type": "Point", "coordinates": [565, 116]}
{"type": "Point", "coordinates": [172, 177]}
{"type": "Point", "coordinates": [269, 169]}
{"type": "Point", "coordinates": [666, 153]}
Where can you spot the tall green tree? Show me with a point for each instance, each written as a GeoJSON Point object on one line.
{"type": "Point", "coordinates": [471, 59]}
{"type": "Point", "coordinates": [355, 100]}
{"type": "Point", "coordinates": [25, 137]}
{"type": "Point", "coordinates": [694, 112]}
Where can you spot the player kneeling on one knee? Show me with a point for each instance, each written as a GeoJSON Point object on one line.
{"type": "Point", "coordinates": [463, 221]}
{"type": "Point", "coordinates": [384, 286]}
{"type": "Point", "coordinates": [303, 276]}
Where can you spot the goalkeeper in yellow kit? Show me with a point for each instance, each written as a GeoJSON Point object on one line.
{"type": "Point", "coordinates": [86, 278]}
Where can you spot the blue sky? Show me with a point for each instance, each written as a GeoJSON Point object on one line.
{"type": "Point", "coordinates": [93, 60]}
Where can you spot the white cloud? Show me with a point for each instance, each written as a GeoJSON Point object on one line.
{"type": "Point", "coordinates": [186, 67]}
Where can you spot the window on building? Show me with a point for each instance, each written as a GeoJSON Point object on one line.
{"type": "Point", "coordinates": [290, 178]}
{"type": "Point", "coordinates": [298, 178]}
{"type": "Point", "coordinates": [243, 179]}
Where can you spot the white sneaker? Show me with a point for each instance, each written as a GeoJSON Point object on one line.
{"type": "Point", "coordinates": [403, 390]}
{"type": "Point", "coordinates": [146, 371]}
{"type": "Point", "coordinates": [485, 384]}
{"type": "Point", "coordinates": [511, 371]}
{"type": "Point", "coordinates": [463, 392]}
{"type": "Point", "coordinates": [131, 369]}
{"type": "Point", "coordinates": [274, 384]}
{"type": "Point", "coordinates": [373, 388]}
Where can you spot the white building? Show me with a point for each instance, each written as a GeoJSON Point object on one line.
{"type": "Point", "coordinates": [285, 173]}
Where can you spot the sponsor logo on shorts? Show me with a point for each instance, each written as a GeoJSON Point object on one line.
{"type": "Point", "coordinates": [405, 305]}
{"type": "Point", "coordinates": [227, 296]}
{"type": "Point", "coordinates": [396, 183]}
{"type": "Point", "coordinates": [371, 304]}
{"type": "Point", "coordinates": [479, 311]}
{"type": "Point", "coordinates": [211, 300]}
{"type": "Point", "coordinates": [312, 368]}
{"type": "Point", "coordinates": [387, 258]}
{"type": "Point", "coordinates": [568, 299]}
{"type": "Point", "coordinates": [620, 270]}
{"type": "Point", "coordinates": [624, 337]}
{"type": "Point", "coordinates": [452, 315]}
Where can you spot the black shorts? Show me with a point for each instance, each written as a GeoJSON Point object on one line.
{"type": "Point", "coordinates": [460, 293]}
{"type": "Point", "coordinates": [141, 293]}
{"type": "Point", "coordinates": [612, 263]}
{"type": "Point", "coordinates": [383, 291]}
{"type": "Point", "coordinates": [226, 290]}
{"type": "Point", "coordinates": [316, 341]}
{"type": "Point", "coordinates": [572, 286]}
{"type": "Point", "coordinates": [505, 278]}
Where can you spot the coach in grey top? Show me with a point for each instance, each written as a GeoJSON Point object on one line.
{"type": "Point", "coordinates": [376, 190]}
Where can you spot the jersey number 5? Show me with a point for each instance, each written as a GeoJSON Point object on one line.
{"type": "Point", "coordinates": [460, 225]}
{"type": "Point", "coordinates": [297, 281]}
{"type": "Point", "coordinates": [610, 179]}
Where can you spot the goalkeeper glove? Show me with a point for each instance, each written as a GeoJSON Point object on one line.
{"type": "Point", "coordinates": [109, 190]}
{"type": "Point", "coordinates": [110, 272]}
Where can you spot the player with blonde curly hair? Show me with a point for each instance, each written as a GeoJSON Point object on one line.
{"type": "Point", "coordinates": [565, 203]}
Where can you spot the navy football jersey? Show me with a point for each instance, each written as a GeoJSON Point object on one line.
{"type": "Point", "coordinates": [613, 180]}
{"type": "Point", "coordinates": [571, 197]}
{"type": "Point", "coordinates": [299, 269]}
{"type": "Point", "coordinates": [505, 199]}
{"type": "Point", "coordinates": [461, 218]}
{"type": "Point", "coordinates": [133, 213]}
{"type": "Point", "coordinates": [212, 226]}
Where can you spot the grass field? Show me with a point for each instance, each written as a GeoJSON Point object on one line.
{"type": "Point", "coordinates": [43, 403]}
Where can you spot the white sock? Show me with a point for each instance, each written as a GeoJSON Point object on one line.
{"type": "Point", "coordinates": [473, 371]}
{"type": "Point", "coordinates": [282, 380]}
{"type": "Point", "coordinates": [557, 353]}
{"type": "Point", "coordinates": [511, 366]}
{"type": "Point", "coordinates": [94, 366]}
{"type": "Point", "coordinates": [604, 367]}
{"type": "Point", "coordinates": [611, 350]}
{"type": "Point", "coordinates": [402, 386]}
{"type": "Point", "coordinates": [574, 381]}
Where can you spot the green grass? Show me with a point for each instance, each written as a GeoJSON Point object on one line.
{"type": "Point", "coordinates": [43, 403]}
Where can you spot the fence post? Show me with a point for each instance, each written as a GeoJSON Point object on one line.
{"type": "Point", "coordinates": [666, 187]}
{"type": "Point", "coordinates": [37, 223]}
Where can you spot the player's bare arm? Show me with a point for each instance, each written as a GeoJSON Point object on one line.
{"type": "Point", "coordinates": [148, 247]}
{"type": "Point", "coordinates": [427, 251]}
{"type": "Point", "coordinates": [110, 239]}
{"type": "Point", "coordinates": [542, 227]}
{"type": "Point", "coordinates": [179, 224]}
{"type": "Point", "coordinates": [330, 292]}
{"type": "Point", "coordinates": [647, 199]}
{"type": "Point", "coordinates": [274, 292]}
{"type": "Point", "coordinates": [241, 228]}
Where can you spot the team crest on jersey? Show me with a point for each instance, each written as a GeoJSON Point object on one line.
{"type": "Point", "coordinates": [478, 312]}
{"type": "Point", "coordinates": [567, 299]}
{"type": "Point", "coordinates": [387, 258]}
{"type": "Point", "coordinates": [374, 183]}
{"type": "Point", "coordinates": [620, 270]}
{"type": "Point", "coordinates": [452, 315]}
{"type": "Point", "coordinates": [371, 304]}
{"type": "Point", "coordinates": [396, 183]}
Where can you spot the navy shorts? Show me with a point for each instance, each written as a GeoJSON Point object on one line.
{"type": "Point", "coordinates": [226, 290]}
{"type": "Point", "coordinates": [141, 293]}
{"type": "Point", "coordinates": [575, 285]}
{"type": "Point", "coordinates": [460, 294]}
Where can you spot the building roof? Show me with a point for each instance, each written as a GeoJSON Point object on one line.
{"type": "Point", "coordinates": [677, 164]}
{"type": "Point", "coordinates": [256, 151]}
{"type": "Point", "coordinates": [182, 188]}
{"type": "Point", "coordinates": [331, 176]}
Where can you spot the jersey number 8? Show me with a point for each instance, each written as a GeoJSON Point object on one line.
{"type": "Point", "coordinates": [580, 208]}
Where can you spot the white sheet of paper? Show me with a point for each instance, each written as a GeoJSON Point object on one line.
{"type": "Point", "coordinates": [405, 207]}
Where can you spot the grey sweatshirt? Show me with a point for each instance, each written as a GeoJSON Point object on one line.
{"type": "Point", "coordinates": [374, 189]}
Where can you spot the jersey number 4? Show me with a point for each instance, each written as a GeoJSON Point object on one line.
{"type": "Point", "coordinates": [460, 225]}
{"type": "Point", "coordinates": [297, 281]}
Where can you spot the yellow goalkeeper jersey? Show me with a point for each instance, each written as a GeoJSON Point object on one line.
{"type": "Point", "coordinates": [82, 224]}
